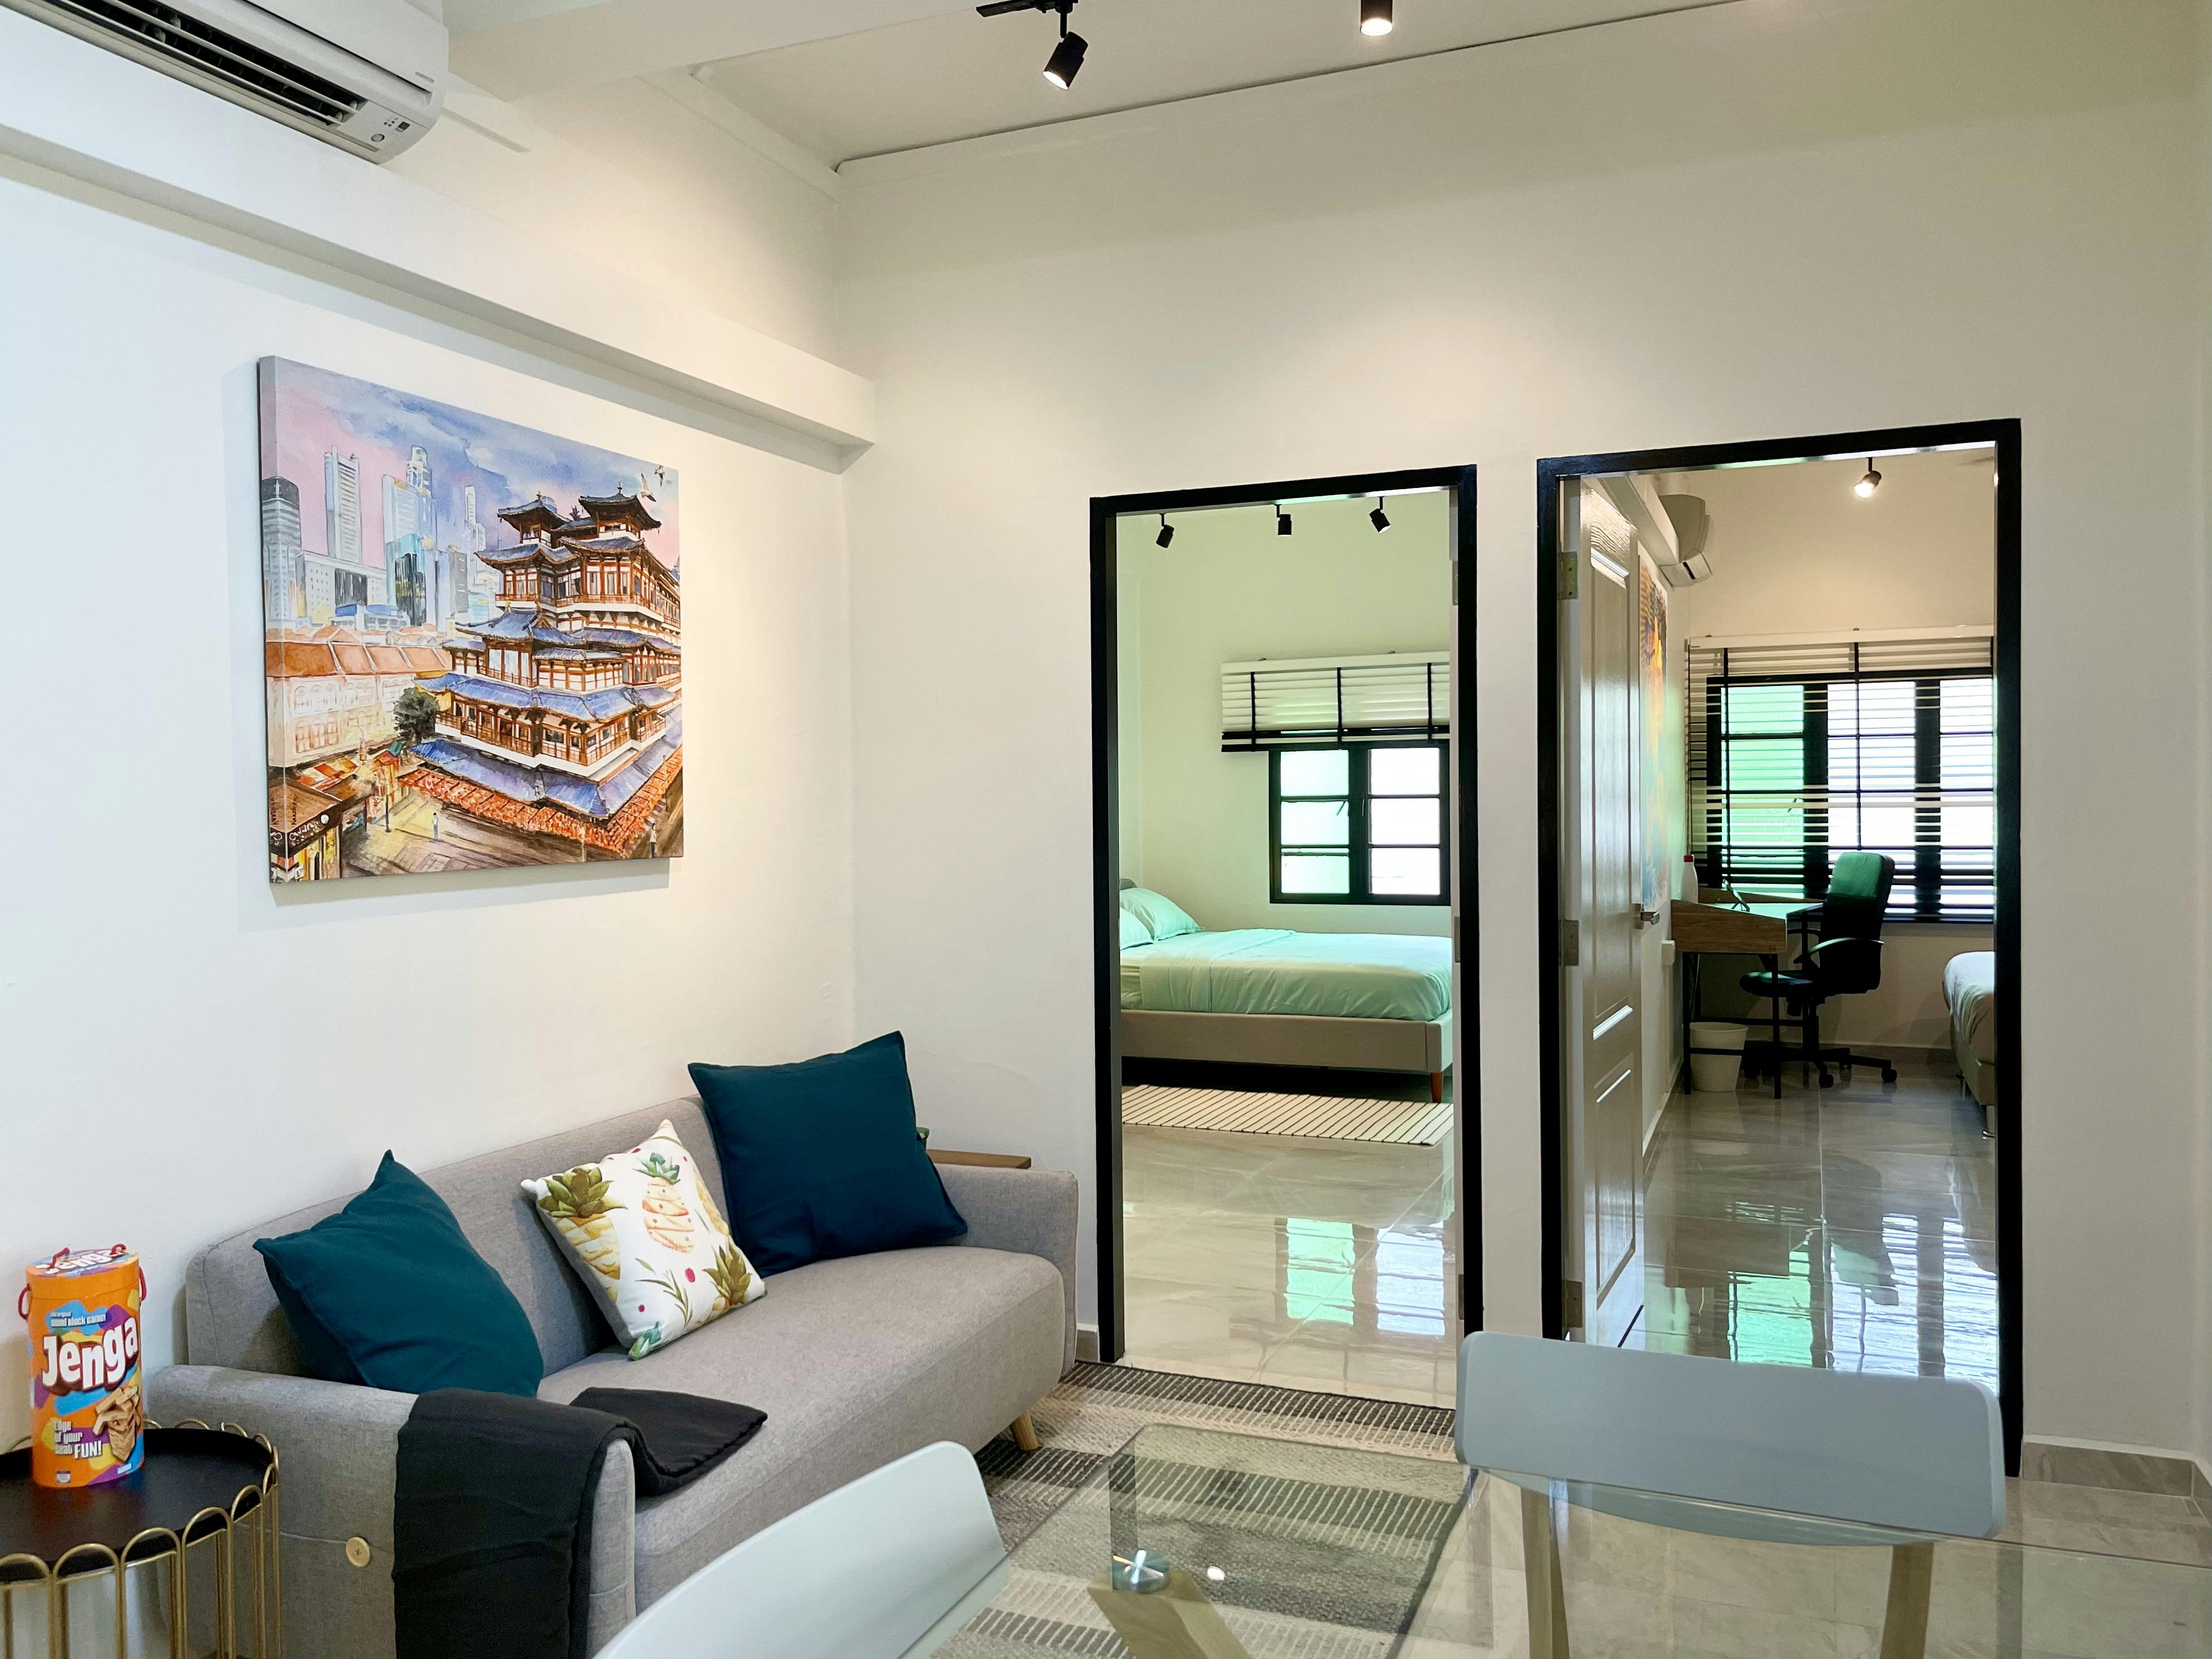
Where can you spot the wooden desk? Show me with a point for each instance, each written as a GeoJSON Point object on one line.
{"type": "Point", "coordinates": [1722, 930]}
{"type": "Point", "coordinates": [1719, 930]}
{"type": "Point", "coordinates": [982, 1160]}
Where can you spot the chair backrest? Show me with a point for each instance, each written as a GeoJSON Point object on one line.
{"type": "Point", "coordinates": [863, 1573]}
{"type": "Point", "coordinates": [1921, 1453]}
{"type": "Point", "coordinates": [1857, 898]}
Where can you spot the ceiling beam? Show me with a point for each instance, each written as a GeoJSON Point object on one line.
{"type": "Point", "coordinates": [525, 48]}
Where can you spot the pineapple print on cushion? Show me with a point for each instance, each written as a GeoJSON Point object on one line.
{"type": "Point", "coordinates": [577, 1204]}
{"type": "Point", "coordinates": [644, 1236]}
{"type": "Point", "coordinates": [667, 1219]}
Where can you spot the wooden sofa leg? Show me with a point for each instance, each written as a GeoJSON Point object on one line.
{"type": "Point", "coordinates": [1026, 1433]}
{"type": "Point", "coordinates": [1436, 1087]}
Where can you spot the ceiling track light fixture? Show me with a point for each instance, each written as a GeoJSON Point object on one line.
{"type": "Point", "coordinates": [1067, 59]}
{"type": "Point", "coordinates": [1375, 17]}
{"type": "Point", "coordinates": [1282, 520]}
{"type": "Point", "coordinates": [1866, 485]}
{"type": "Point", "coordinates": [1167, 532]}
{"type": "Point", "coordinates": [1378, 518]}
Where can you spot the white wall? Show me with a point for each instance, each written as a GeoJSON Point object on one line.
{"type": "Point", "coordinates": [1794, 551]}
{"type": "Point", "coordinates": [1776, 218]}
{"type": "Point", "coordinates": [190, 1052]}
{"type": "Point", "coordinates": [629, 178]}
{"type": "Point", "coordinates": [1229, 589]}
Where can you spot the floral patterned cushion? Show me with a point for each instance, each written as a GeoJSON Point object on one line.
{"type": "Point", "coordinates": [640, 1232]}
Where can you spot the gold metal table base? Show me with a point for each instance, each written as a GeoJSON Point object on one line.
{"type": "Point", "coordinates": [216, 1529]}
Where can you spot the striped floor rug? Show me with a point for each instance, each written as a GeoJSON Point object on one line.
{"type": "Point", "coordinates": [1329, 1117]}
{"type": "Point", "coordinates": [1096, 1409]}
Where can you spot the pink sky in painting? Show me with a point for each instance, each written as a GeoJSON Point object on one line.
{"type": "Point", "coordinates": [312, 412]}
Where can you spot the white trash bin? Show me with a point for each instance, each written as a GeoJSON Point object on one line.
{"type": "Point", "coordinates": [1716, 1075]}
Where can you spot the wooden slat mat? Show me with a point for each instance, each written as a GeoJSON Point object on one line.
{"type": "Point", "coordinates": [1329, 1117]}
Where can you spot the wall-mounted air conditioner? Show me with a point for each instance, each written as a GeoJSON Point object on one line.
{"type": "Point", "coordinates": [367, 75]}
{"type": "Point", "coordinates": [1692, 525]}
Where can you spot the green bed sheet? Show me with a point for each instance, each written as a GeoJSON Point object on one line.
{"type": "Point", "coordinates": [1268, 970]}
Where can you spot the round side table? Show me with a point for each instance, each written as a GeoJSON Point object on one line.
{"type": "Point", "coordinates": [199, 1494]}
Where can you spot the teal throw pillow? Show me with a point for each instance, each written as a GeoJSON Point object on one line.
{"type": "Point", "coordinates": [390, 1293]}
{"type": "Point", "coordinates": [820, 1158]}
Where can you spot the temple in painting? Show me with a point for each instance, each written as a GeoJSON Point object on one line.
{"type": "Point", "coordinates": [562, 715]}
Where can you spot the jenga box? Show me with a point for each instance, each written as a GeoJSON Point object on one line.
{"type": "Point", "coordinates": [86, 1416]}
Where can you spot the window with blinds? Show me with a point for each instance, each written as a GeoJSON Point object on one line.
{"type": "Point", "coordinates": [1800, 750]}
{"type": "Point", "coordinates": [1404, 697]}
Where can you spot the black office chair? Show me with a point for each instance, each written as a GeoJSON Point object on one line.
{"type": "Point", "coordinates": [1845, 962]}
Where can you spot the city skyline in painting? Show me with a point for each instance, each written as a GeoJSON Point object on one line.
{"type": "Point", "coordinates": [472, 638]}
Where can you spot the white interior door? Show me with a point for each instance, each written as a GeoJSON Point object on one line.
{"type": "Point", "coordinates": [1603, 1030]}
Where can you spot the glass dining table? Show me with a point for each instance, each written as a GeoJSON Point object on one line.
{"type": "Point", "coordinates": [1192, 1543]}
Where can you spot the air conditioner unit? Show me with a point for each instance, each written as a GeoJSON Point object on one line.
{"type": "Point", "coordinates": [367, 75]}
{"type": "Point", "coordinates": [1693, 527]}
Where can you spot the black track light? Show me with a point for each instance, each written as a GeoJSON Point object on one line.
{"type": "Point", "coordinates": [1282, 520]}
{"type": "Point", "coordinates": [1375, 17]}
{"type": "Point", "coordinates": [1167, 532]}
{"type": "Point", "coordinates": [1865, 486]}
{"type": "Point", "coordinates": [1067, 59]}
{"type": "Point", "coordinates": [1378, 518]}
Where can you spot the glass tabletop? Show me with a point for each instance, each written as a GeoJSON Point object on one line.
{"type": "Point", "coordinates": [1248, 1545]}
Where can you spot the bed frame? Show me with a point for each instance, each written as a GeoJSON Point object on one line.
{"type": "Point", "coordinates": [1353, 1045]}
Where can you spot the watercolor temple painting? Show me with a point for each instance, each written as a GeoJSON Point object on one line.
{"type": "Point", "coordinates": [473, 639]}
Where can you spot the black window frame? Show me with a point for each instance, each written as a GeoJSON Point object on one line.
{"type": "Point", "coordinates": [1918, 897]}
{"type": "Point", "coordinates": [1359, 798]}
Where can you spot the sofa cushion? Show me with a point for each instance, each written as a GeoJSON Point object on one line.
{"type": "Point", "coordinates": [857, 1362]}
{"type": "Point", "coordinates": [231, 1316]}
{"type": "Point", "coordinates": [644, 1238]}
{"type": "Point", "coordinates": [388, 1292]}
{"type": "Point", "coordinates": [821, 1158]}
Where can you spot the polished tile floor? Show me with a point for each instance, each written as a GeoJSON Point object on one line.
{"type": "Point", "coordinates": [1317, 1264]}
{"type": "Point", "coordinates": [1852, 1228]}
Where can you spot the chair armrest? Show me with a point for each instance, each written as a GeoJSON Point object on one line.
{"type": "Point", "coordinates": [1816, 950]}
{"type": "Point", "coordinates": [1032, 1212]}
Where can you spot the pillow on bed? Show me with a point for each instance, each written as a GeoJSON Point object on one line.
{"type": "Point", "coordinates": [1163, 917]}
{"type": "Point", "coordinates": [1133, 931]}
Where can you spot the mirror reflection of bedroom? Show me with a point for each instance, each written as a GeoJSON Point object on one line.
{"type": "Point", "coordinates": [1796, 801]}
{"type": "Point", "coordinates": [1287, 1114]}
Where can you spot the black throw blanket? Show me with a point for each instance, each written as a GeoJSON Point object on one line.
{"type": "Point", "coordinates": [491, 1518]}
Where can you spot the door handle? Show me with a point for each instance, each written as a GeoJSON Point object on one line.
{"type": "Point", "coordinates": [1646, 918]}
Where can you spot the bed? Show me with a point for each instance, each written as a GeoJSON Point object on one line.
{"type": "Point", "coordinates": [1266, 996]}
{"type": "Point", "coordinates": [1970, 991]}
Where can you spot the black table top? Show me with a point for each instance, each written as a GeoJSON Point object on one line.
{"type": "Point", "coordinates": [186, 1471]}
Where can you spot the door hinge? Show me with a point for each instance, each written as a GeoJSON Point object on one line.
{"type": "Point", "coordinates": [1455, 565]}
{"type": "Point", "coordinates": [1570, 1305]}
{"type": "Point", "coordinates": [1569, 575]}
{"type": "Point", "coordinates": [1570, 943]}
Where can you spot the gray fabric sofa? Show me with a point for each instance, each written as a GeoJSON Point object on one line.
{"type": "Point", "coordinates": [856, 1362]}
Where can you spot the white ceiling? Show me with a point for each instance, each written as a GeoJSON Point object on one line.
{"type": "Point", "coordinates": [846, 78]}
{"type": "Point", "coordinates": [956, 75]}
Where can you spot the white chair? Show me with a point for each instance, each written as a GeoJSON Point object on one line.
{"type": "Point", "coordinates": [865, 1573]}
{"type": "Point", "coordinates": [1676, 1437]}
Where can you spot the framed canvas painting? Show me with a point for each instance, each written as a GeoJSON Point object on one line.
{"type": "Point", "coordinates": [472, 647]}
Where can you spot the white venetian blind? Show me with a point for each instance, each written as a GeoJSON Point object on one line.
{"type": "Point", "coordinates": [1402, 697]}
